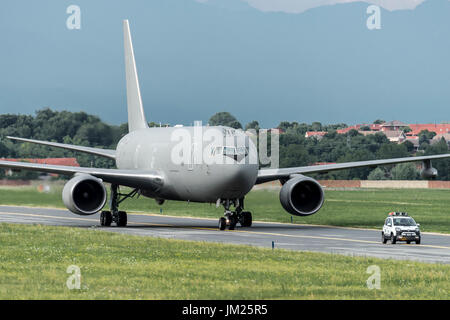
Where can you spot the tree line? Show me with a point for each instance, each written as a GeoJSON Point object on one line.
{"type": "Point", "coordinates": [297, 150]}
{"type": "Point", "coordinates": [83, 129]}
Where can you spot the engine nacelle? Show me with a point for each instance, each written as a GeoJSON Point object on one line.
{"type": "Point", "coordinates": [301, 196]}
{"type": "Point", "coordinates": [428, 172]}
{"type": "Point", "coordinates": [84, 194]}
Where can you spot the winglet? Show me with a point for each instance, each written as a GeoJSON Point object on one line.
{"type": "Point", "coordinates": [136, 116]}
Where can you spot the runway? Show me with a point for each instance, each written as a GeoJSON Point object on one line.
{"type": "Point", "coordinates": [435, 248]}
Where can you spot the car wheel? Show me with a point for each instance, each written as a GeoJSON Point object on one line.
{"type": "Point", "coordinates": [393, 239]}
{"type": "Point", "coordinates": [383, 238]}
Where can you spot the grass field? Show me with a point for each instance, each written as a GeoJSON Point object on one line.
{"type": "Point", "coordinates": [365, 208]}
{"type": "Point", "coordinates": [34, 261]}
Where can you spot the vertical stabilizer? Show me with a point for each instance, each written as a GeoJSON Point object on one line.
{"type": "Point", "coordinates": [136, 117]}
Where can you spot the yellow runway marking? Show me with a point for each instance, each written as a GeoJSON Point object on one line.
{"type": "Point", "coordinates": [141, 213]}
{"type": "Point", "coordinates": [79, 219]}
{"type": "Point", "coordinates": [215, 230]}
{"type": "Point", "coordinates": [331, 238]}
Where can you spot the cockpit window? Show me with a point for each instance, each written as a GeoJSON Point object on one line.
{"type": "Point", "coordinates": [242, 151]}
{"type": "Point", "coordinates": [229, 151]}
{"type": "Point", "coordinates": [216, 150]}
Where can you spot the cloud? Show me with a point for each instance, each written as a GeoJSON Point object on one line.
{"type": "Point", "coordinates": [298, 6]}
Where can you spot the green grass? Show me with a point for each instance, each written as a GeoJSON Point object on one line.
{"type": "Point", "coordinates": [366, 208]}
{"type": "Point", "coordinates": [34, 260]}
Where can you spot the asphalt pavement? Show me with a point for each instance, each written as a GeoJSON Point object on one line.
{"type": "Point", "coordinates": [435, 248]}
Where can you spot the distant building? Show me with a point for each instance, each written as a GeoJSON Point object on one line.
{"type": "Point", "coordinates": [438, 138]}
{"type": "Point", "coordinates": [372, 127]}
{"type": "Point", "coordinates": [396, 136]}
{"type": "Point", "coordinates": [275, 131]}
{"type": "Point", "coordinates": [321, 163]}
{"type": "Point", "coordinates": [343, 131]}
{"type": "Point", "coordinates": [394, 125]}
{"type": "Point", "coordinates": [71, 162]}
{"type": "Point", "coordinates": [437, 128]}
{"type": "Point", "coordinates": [315, 134]}
{"type": "Point", "coordinates": [415, 141]}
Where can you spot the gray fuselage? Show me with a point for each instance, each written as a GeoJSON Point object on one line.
{"type": "Point", "coordinates": [200, 164]}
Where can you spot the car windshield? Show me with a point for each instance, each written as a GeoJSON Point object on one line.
{"type": "Point", "coordinates": [404, 222]}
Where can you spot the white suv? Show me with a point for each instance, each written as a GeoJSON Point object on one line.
{"type": "Point", "coordinates": [400, 227]}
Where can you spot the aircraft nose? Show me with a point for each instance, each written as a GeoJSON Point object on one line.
{"type": "Point", "coordinates": [239, 178]}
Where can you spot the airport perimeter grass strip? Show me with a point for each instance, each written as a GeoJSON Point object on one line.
{"type": "Point", "coordinates": [362, 208]}
{"type": "Point", "coordinates": [34, 261]}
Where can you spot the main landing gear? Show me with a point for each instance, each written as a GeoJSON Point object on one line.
{"type": "Point", "coordinates": [232, 218]}
{"type": "Point", "coordinates": [119, 217]}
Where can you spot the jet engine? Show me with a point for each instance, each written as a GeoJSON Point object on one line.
{"type": "Point", "coordinates": [84, 194]}
{"type": "Point", "coordinates": [301, 196]}
{"type": "Point", "coordinates": [428, 172]}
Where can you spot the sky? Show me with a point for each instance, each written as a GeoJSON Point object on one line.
{"type": "Point", "coordinates": [264, 60]}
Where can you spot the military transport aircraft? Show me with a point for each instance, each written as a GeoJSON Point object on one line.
{"type": "Point", "coordinates": [145, 162]}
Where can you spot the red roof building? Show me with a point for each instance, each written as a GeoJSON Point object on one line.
{"type": "Point", "coordinates": [437, 128]}
{"type": "Point", "coordinates": [398, 125]}
{"type": "Point", "coordinates": [315, 134]}
{"type": "Point", "coordinates": [71, 162]}
{"type": "Point", "coordinates": [322, 163]}
{"type": "Point", "coordinates": [276, 131]}
{"type": "Point", "coordinates": [394, 125]}
{"type": "Point", "coordinates": [372, 127]}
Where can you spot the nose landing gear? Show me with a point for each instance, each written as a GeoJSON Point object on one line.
{"type": "Point", "coordinates": [232, 218]}
{"type": "Point", "coordinates": [246, 219]}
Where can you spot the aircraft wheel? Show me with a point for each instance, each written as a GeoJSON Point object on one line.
{"type": "Point", "coordinates": [246, 219]}
{"type": "Point", "coordinates": [121, 219]}
{"type": "Point", "coordinates": [232, 225]}
{"type": "Point", "coordinates": [105, 218]}
{"type": "Point", "coordinates": [222, 223]}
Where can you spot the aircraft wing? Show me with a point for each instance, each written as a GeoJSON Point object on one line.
{"type": "Point", "coordinates": [131, 178]}
{"type": "Point", "coordinates": [265, 175]}
{"type": "Point", "coordinates": [107, 153]}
